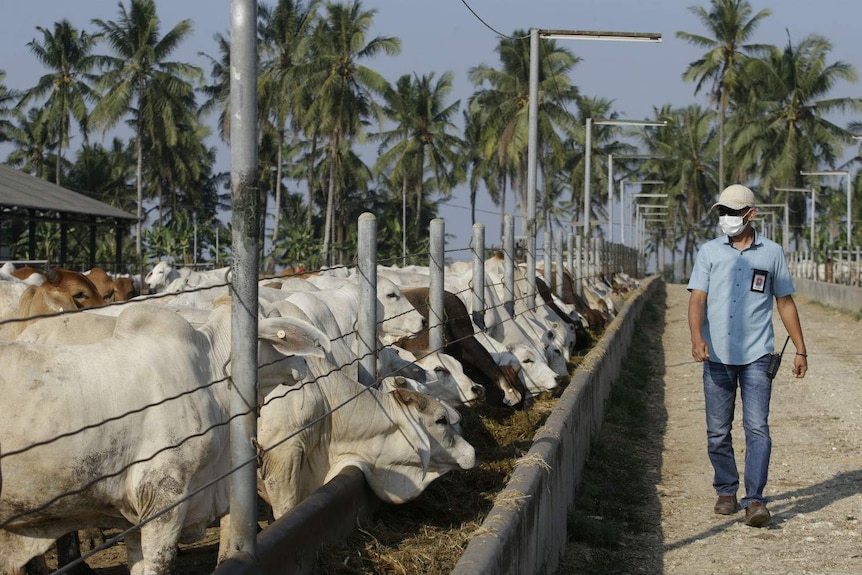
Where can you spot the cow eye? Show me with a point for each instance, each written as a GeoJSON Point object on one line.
{"type": "Point", "coordinates": [442, 421]}
{"type": "Point", "coordinates": [392, 295]}
{"type": "Point", "coordinates": [528, 360]}
{"type": "Point", "coordinates": [80, 295]}
{"type": "Point", "coordinates": [440, 369]}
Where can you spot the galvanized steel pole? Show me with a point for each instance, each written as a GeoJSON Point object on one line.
{"type": "Point", "coordinates": [367, 321]}
{"type": "Point", "coordinates": [509, 265]}
{"type": "Point", "coordinates": [435, 263]}
{"type": "Point", "coordinates": [532, 170]}
{"type": "Point", "coordinates": [559, 260]}
{"type": "Point", "coordinates": [479, 276]}
{"type": "Point", "coordinates": [549, 251]}
{"type": "Point", "coordinates": [245, 220]}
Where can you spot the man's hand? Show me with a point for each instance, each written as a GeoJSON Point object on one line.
{"type": "Point", "coordinates": [800, 366]}
{"type": "Point", "coordinates": [699, 350]}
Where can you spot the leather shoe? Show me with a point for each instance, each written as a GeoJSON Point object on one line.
{"type": "Point", "coordinates": [726, 505]}
{"type": "Point", "coordinates": [756, 514]}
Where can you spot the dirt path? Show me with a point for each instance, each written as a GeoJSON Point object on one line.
{"type": "Point", "coordinates": [815, 483]}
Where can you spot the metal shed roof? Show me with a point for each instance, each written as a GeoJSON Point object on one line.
{"type": "Point", "coordinates": [18, 189]}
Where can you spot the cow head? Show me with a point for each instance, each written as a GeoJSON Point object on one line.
{"type": "Point", "coordinates": [62, 290]}
{"type": "Point", "coordinates": [425, 444]}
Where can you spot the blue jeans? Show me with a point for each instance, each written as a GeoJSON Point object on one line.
{"type": "Point", "coordinates": [719, 389]}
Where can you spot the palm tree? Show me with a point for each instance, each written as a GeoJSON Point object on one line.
{"type": "Point", "coordinates": [421, 142]}
{"type": "Point", "coordinates": [34, 143]}
{"type": "Point", "coordinates": [786, 126]}
{"type": "Point", "coordinates": [503, 100]}
{"type": "Point", "coordinates": [7, 109]}
{"type": "Point", "coordinates": [687, 147]}
{"type": "Point", "coordinates": [106, 173]}
{"type": "Point", "coordinates": [139, 80]}
{"type": "Point", "coordinates": [730, 24]}
{"type": "Point", "coordinates": [218, 93]}
{"type": "Point", "coordinates": [67, 53]}
{"type": "Point", "coordinates": [343, 100]}
{"type": "Point", "coordinates": [483, 167]}
{"type": "Point", "coordinates": [285, 32]}
{"type": "Point", "coordinates": [569, 172]}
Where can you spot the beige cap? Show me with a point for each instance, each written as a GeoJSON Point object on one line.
{"type": "Point", "coordinates": [735, 197]}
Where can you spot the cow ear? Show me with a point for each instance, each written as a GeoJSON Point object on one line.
{"type": "Point", "coordinates": [409, 397]}
{"type": "Point", "coordinates": [291, 336]}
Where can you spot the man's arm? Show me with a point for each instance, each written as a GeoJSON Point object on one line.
{"type": "Point", "coordinates": [790, 318]}
{"type": "Point", "coordinates": [696, 309]}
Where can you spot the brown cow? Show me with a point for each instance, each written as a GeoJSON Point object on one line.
{"type": "Point", "coordinates": [62, 290]}
{"type": "Point", "coordinates": [582, 337]}
{"type": "Point", "coordinates": [24, 272]}
{"type": "Point", "coordinates": [111, 289]}
{"type": "Point", "coordinates": [502, 387]}
{"type": "Point", "coordinates": [597, 319]}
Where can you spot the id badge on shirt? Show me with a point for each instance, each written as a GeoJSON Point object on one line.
{"type": "Point", "coordinates": [758, 280]}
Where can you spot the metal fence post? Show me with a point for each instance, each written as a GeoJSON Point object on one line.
{"type": "Point", "coordinates": [559, 260]}
{"type": "Point", "coordinates": [246, 208]}
{"type": "Point", "coordinates": [367, 321]}
{"type": "Point", "coordinates": [435, 263]}
{"type": "Point", "coordinates": [509, 265]}
{"type": "Point", "coordinates": [479, 276]}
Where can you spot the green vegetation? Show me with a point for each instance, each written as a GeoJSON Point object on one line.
{"type": "Point", "coordinates": [771, 115]}
{"type": "Point", "coordinates": [613, 502]}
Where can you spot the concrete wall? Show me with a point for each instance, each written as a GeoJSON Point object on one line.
{"type": "Point", "coordinates": [525, 532]}
{"type": "Point", "coordinates": [841, 296]}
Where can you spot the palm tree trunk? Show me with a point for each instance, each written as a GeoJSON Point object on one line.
{"type": "Point", "coordinates": [721, 115]}
{"type": "Point", "coordinates": [140, 191]}
{"type": "Point", "coordinates": [404, 220]}
{"type": "Point", "coordinates": [57, 162]}
{"type": "Point", "coordinates": [503, 188]}
{"type": "Point", "coordinates": [278, 189]}
{"type": "Point", "coordinates": [419, 190]}
{"type": "Point", "coordinates": [311, 181]}
{"type": "Point", "coordinates": [330, 197]}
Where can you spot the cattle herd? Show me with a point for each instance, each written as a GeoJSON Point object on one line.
{"type": "Point", "coordinates": [115, 404]}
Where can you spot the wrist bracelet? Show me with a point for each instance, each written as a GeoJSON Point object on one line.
{"type": "Point", "coordinates": [802, 354]}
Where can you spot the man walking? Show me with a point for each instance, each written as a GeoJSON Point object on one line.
{"type": "Point", "coordinates": [732, 286]}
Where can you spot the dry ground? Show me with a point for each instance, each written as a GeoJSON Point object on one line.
{"type": "Point", "coordinates": [815, 475]}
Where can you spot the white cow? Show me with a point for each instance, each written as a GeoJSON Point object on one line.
{"type": "Point", "coordinates": [129, 467]}
{"type": "Point", "coordinates": [396, 317]}
{"type": "Point", "coordinates": [400, 440]}
{"type": "Point", "coordinates": [535, 356]}
{"type": "Point", "coordinates": [164, 277]}
{"type": "Point", "coordinates": [6, 271]}
{"type": "Point", "coordinates": [441, 383]}
{"type": "Point", "coordinates": [447, 382]}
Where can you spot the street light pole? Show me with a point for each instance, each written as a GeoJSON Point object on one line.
{"type": "Point", "coordinates": [785, 244]}
{"type": "Point", "coordinates": [813, 208]}
{"type": "Point", "coordinates": [588, 160]}
{"type": "Point", "coordinates": [623, 183]}
{"type": "Point", "coordinates": [611, 184]}
{"type": "Point", "coordinates": [533, 130]}
{"type": "Point", "coordinates": [849, 197]}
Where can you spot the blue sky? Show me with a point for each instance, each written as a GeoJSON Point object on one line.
{"type": "Point", "coordinates": [443, 35]}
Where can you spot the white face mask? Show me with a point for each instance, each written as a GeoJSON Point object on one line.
{"type": "Point", "coordinates": [732, 225]}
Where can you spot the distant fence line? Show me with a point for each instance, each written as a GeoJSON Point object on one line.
{"type": "Point", "coordinates": [585, 263]}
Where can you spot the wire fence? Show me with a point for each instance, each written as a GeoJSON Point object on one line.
{"type": "Point", "coordinates": [515, 299]}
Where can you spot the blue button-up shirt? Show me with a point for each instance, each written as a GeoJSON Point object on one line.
{"type": "Point", "coordinates": [740, 287]}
